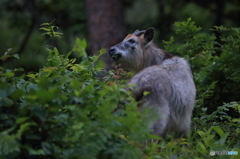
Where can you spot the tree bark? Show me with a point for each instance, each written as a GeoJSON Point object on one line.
{"type": "Point", "coordinates": [105, 20]}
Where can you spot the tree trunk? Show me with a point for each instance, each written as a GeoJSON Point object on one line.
{"type": "Point", "coordinates": [105, 26]}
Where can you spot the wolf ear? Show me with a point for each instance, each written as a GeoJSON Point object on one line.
{"type": "Point", "coordinates": [135, 31]}
{"type": "Point", "coordinates": [149, 34]}
{"type": "Point", "coordinates": [138, 33]}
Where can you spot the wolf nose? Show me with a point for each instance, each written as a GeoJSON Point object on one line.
{"type": "Point", "coordinates": [112, 51]}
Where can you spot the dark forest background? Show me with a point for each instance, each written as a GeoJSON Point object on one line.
{"type": "Point", "coordinates": [105, 23]}
{"type": "Point", "coordinates": [101, 23]}
{"type": "Point", "coordinates": [54, 105]}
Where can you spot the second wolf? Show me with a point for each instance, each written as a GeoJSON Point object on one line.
{"type": "Point", "coordinates": [167, 78]}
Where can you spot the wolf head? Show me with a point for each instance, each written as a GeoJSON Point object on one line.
{"type": "Point", "coordinates": [130, 51]}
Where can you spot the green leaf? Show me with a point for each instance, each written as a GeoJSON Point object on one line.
{"type": "Point", "coordinates": [8, 145]}
{"type": "Point", "coordinates": [21, 120]}
{"type": "Point", "coordinates": [17, 94]}
{"type": "Point", "coordinates": [18, 69]}
{"type": "Point", "coordinates": [23, 128]}
{"type": "Point", "coordinates": [39, 112]}
{"type": "Point", "coordinates": [201, 147]}
{"type": "Point", "coordinates": [57, 36]}
{"type": "Point", "coordinates": [47, 33]}
{"type": "Point", "coordinates": [32, 86]}
{"type": "Point", "coordinates": [32, 76]}
{"type": "Point", "coordinates": [6, 102]}
{"type": "Point", "coordinates": [5, 56]}
{"type": "Point", "coordinates": [57, 33]}
{"type": "Point", "coordinates": [145, 93]}
{"type": "Point", "coordinates": [55, 51]}
{"type": "Point", "coordinates": [236, 120]}
{"type": "Point", "coordinates": [35, 152]}
{"type": "Point", "coordinates": [45, 29]}
{"type": "Point", "coordinates": [220, 132]}
{"type": "Point", "coordinates": [7, 74]}
{"type": "Point", "coordinates": [49, 69]}
{"type": "Point", "coordinates": [68, 54]}
{"type": "Point", "coordinates": [47, 148]}
{"type": "Point", "coordinates": [16, 56]}
{"type": "Point", "coordinates": [79, 47]}
{"type": "Point", "coordinates": [45, 24]}
{"type": "Point", "coordinates": [189, 19]}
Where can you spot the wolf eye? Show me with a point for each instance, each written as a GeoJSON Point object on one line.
{"type": "Point", "coordinates": [131, 41]}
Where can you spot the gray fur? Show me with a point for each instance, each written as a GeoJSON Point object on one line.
{"type": "Point", "coordinates": [169, 81]}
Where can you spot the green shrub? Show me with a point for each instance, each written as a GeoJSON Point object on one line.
{"type": "Point", "coordinates": [215, 62]}
{"type": "Point", "coordinates": [66, 111]}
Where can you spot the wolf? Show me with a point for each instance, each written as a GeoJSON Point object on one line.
{"type": "Point", "coordinates": [168, 79]}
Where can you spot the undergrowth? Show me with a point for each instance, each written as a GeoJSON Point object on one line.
{"type": "Point", "coordinates": [66, 111]}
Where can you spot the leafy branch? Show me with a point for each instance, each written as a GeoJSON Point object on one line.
{"type": "Point", "coordinates": [50, 29]}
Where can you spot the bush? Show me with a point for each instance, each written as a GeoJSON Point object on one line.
{"type": "Point", "coordinates": [214, 61]}
{"type": "Point", "coordinates": [65, 111]}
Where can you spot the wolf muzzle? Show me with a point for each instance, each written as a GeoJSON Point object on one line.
{"type": "Point", "coordinates": [113, 53]}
